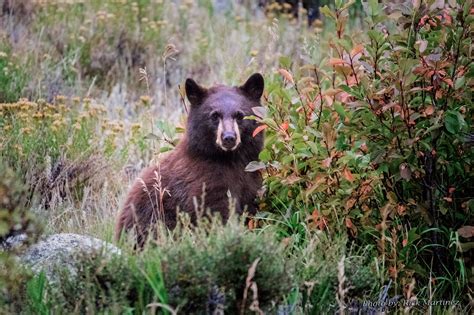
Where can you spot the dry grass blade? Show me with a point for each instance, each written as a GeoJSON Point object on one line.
{"type": "Point", "coordinates": [255, 305]}
{"type": "Point", "coordinates": [153, 306]}
{"type": "Point", "coordinates": [169, 52]}
{"type": "Point", "coordinates": [144, 77]}
{"type": "Point", "coordinates": [341, 288]}
{"type": "Point", "coordinates": [248, 284]}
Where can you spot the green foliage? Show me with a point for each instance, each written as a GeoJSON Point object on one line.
{"type": "Point", "coordinates": [374, 139]}
{"type": "Point", "coordinates": [208, 267]}
{"type": "Point", "coordinates": [12, 78]}
{"type": "Point", "coordinates": [15, 219]}
{"type": "Point", "coordinates": [319, 271]}
{"type": "Point", "coordinates": [102, 283]}
{"type": "Point", "coordinates": [13, 284]}
{"type": "Point", "coordinates": [69, 152]}
{"type": "Point", "coordinates": [371, 139]}
{"type": "Point", "coordinates": [195, 269]}
{"type": "Point", "coordinates": [36, 292]}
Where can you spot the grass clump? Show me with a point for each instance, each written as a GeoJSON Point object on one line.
{"type": "Point", "coordinates": [101, 284]}
{"type": "Point", "coordinates": [208, 268]}
{"type": "Point", "coordinates": [329, 270]}
{"type": "Point", "coordinates": [12, 78]}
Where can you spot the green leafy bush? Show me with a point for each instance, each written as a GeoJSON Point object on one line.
{"type": "Point", "coordinates": [373, 139]}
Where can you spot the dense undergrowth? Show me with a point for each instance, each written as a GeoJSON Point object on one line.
{"type": "Point", "coordinates": [377, 139]}
{"type": "Point", "coordinates": [367, 162]}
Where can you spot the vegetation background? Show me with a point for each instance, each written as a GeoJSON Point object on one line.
{"type": "Point", "coordinates": [367, 161]}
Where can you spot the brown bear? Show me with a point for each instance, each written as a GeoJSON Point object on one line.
{"type": "Point", "coordinates": [210, 158]}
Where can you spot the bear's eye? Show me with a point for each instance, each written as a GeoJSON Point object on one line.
{"type": "Point", "coordinates": [215, 116]}
{"type": "Point", "coordinates": [239, 116]}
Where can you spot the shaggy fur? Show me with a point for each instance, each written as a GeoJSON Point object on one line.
{"type": "Point", "coordinates": [200, 162]}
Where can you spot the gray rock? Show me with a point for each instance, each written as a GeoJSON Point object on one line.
{"type": "Point", "coordinates": [13, 242]}
{"type": "Point", "coordinates": [60, 251]}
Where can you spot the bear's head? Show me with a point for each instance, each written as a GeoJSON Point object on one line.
{"type": "Point", "coordinates": [217, 127]}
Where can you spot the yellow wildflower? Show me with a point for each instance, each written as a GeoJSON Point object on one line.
{"type": "Point", "coordinates": [26, 130]}
{"type": "Point", "coordinates": [145, 100]}
{"type": "Point", "coordinates": [135, 127]}
{"type": "Point", "coordinates": [38, 115]}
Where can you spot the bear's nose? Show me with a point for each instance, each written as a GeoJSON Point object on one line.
{"type": "Point", "coordinates": [228, 139]}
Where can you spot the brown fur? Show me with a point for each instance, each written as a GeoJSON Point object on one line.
{"type": "Point", "coordinates": [177, 181]}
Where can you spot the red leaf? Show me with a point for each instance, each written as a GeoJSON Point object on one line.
{"type": "Point", "coordinates": [349, 223]}
{"type": "Point", "coordinates": [466, 231]}
{"type": "Point", "coordinates": [286, 75]}
{"type": "Point", "coordinates": [284, 126]}
{"type": "Point", "coordinates": [336, 61]}
{"type": "Point", "coordinates": [429, 110]}
{"type": "Point", "coordinates": [251, 224]}
{"type": "Point", "coordinates": [448, 81]}
{"type": "Point", "coordinates": [258, 130]}
{"type": "Point", "coordinates": [357, 50]}
{"type": "Point", "coordinates": [351, 226]}
{"type": "Point", "coordinates": [348, 175]}
{"type": "Point", "coordinates": [326, 163]}
{"type": "Point", "coordinates": [319, 220]}
{"type": "Point", "coordinates": [401, 209]}
{"type": "Point", "coordinates": [393, 272]}
{"type": "Point", "coordinates": [350, 203]}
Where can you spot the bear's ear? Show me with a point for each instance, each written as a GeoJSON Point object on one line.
{"type": "Point", "coordinates": [195, 92]}
{"type": "Point", "coordinates": [253, 88]}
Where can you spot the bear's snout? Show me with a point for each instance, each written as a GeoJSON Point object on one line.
{"type": "Point", "coordinates": [228, 134]}
{"type": "Point", "coordinates": [229, 139]}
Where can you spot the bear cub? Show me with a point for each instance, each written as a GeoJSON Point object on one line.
{"type": "Point", "coordinates": [211, 157]}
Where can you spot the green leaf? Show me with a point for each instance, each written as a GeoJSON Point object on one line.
{"type": "Point", "coordinates": [152, 136]}
{"type": "Point", "coordinates": [348, 4]}
{"type": "Point", "coordinates": [265, 155]}
{"type": "Point", "coordinates": [459, 83]}
{"type": "Point", "coordinates": [328, 12]}
{"type": "Point", "coordinates": [340, 110]}
{"type": "Point", "coordinates": [454, 122]}
{"type": "Point", "coordinates": [466, 246]}
{"type": "Point", "coordinates": [376, 36]}
{"type": "Point", "coordinates": [165, 149]}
